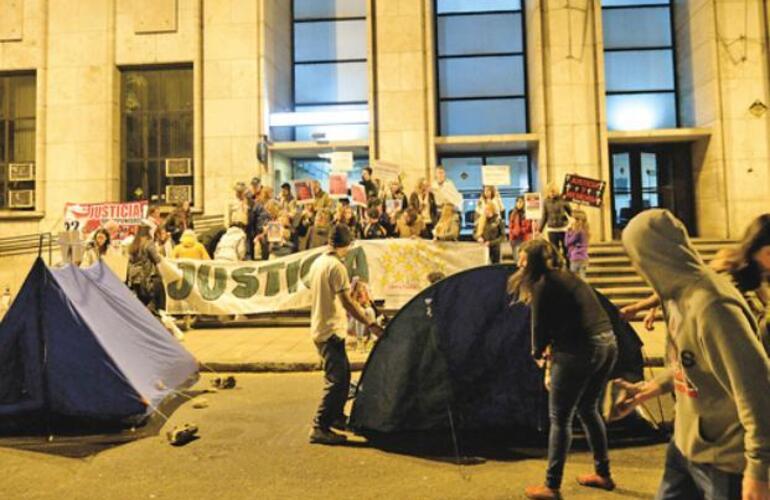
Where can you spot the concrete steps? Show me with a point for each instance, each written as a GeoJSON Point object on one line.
{"type": "Point", "coordinates": [611, 273]}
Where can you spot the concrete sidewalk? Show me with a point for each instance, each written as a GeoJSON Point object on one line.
{"type": "Point", "coordinates": [290, 349]}
{"type": "Point", "coordinates": [259, 349]}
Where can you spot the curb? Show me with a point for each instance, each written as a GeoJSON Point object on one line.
{"type": "Point", "coordinates": [269, 367]}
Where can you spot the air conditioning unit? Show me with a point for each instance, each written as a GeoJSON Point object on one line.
{"type": "Point", "coordinates": [20, 172]}
{"type": "Point", "coordinates": [21, 198]}
{"type": "Point", "coordinates": [178, 194]}
{"type": "Point", "coordinates": [178, 167]}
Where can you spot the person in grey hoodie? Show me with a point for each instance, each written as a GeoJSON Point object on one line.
{"type": "Point", "coordinates": [716, 366]}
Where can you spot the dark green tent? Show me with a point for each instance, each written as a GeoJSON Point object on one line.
{"type": "Point", "coordinates": [461, 348]}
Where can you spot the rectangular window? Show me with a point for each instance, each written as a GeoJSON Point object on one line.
{"type": "Point", "coordinates": [640, 65]}
{"type": "Point", "coordinates": [481, 67]}
{"type": "Point", "coordinates": [465, 171]}
{"type": "Point", "coordinates": [319, 169]}
{"type": "Point", "coordinates": [330, 80]}
{"type": "Point", "coordinates": [157, 132]}
{"type": "Point", "coordinates": [17, 141]}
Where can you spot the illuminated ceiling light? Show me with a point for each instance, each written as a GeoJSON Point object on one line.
{"type": "Point", "coordinates": [306, 118]}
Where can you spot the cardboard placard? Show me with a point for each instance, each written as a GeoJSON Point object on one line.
{"type": "Point", "coordinates": [303, 191]}
{"type": "Point", "coordinates": [338, 185]}
{"type": "Point", "coordinates": [393, 206]}
{"type": "Point", "coordinates": [358, 195]}
{"type": "Point", "coordinates": [533, 206]}
{"type": "Point", "coordinates": [496, 175]}
{"type": "Point", "coordinates": [583, 190]}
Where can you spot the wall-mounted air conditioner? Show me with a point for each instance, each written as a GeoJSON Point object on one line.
{"type": "Point", "coordinates": [21, 172]}
{"type": "Point", "coordinates": [178, 167]}
{"type": "Point", "coordinates": [178, 194]}
{"type": "Point", "coordinates": [21, 198]}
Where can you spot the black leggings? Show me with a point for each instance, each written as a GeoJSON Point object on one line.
{"type": "Point", "coordinates": [577, 382]}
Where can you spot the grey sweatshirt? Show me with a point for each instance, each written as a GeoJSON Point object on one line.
{"type": "Point", "coordinates": [715, 361]}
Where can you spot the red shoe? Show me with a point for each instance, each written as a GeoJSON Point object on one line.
{"type": "Point", "coordinates": [541, 493]}
{"type": "Point", "coordinates": [596, 481]}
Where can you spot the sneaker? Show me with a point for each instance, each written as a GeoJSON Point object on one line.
{"type": "Point", "coordinates": [326, 436]}
{"type": "Point", "coordinates": [596, 481]}
{"type": "Point", "coordinates": [542, 492]}
{"type": "Point", "coordinates": [340, 424]}
{"type": "Point", "coordinates": [181, 435]}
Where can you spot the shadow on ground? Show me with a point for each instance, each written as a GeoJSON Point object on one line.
{"type": "Point", "coordinates": [503, 445]}
{"type": "Point", "coordinates": [80, 438]}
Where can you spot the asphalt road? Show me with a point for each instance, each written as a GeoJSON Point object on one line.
{"type": "Point", "coordinates": [253, 445]}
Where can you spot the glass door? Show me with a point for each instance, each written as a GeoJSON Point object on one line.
{"type": "Point", "coordinates": [651, 176]}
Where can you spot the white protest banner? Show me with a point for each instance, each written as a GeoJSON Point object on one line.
{"type": "Point", "coordinates": [496, 175]}
{"type": "Point", "coordinates": [396, 271]}
{"type": "Point", "coordinates": [385, 171]}
{"type": "Point", "coordinates": [533, 206]}
{"type": "Point", "coordinates": [88, 217]}
{"type": "Point", "coordinates": [342, 161]}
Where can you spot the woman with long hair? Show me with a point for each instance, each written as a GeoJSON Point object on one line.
{"type": "Point", "coordinates": [490, 231]}
{"type": "Point", "coordinates": [567, 320]}
{"type": "Point", "coordinates": [576, 240]}
{"type": "Point", "coordinates": [519, 227]}
{"type": "Point", "coordinates": [489, 196]}
{"type": "Point", "coordinates": [747, 265]}
{"type": "Point", "coordinates": [97, 248]}
{"type": "Point", "coordinates": [143, 277]}
{"type": "Point", "coordinates": [447, 228]}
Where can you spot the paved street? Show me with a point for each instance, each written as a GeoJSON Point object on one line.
{"type": "Point", "coordinates": [253, 445]}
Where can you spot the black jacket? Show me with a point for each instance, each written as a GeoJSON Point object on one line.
{"type": "Point", "coordinates": [555, 212]}
{"type": "Point", "coordinates": [566, 313]}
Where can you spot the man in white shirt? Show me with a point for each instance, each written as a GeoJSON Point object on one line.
{"type": "Point", "coordinates": [330, 292]}
{"type": "Point", "coordinates": [445, 191]}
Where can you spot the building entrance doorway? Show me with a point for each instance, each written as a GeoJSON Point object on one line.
{"type": "Point", "coordinates": [651, 176]}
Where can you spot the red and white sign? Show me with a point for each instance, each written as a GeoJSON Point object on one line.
{"type": "Point", "coordinates": [583, 190]}
{"type": "Point", "coordinates": [338, 185]}
{"type": "Point", "coordinates": [303, 191]}
{"type": "Point", "coordinates": [88, 217]}
{"type": "Point", "coordinates": [358, 194]}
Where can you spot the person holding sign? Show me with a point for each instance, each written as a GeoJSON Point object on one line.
{"type": "Point", "coordinates": [330, 300]}
{"type": "Point", "coordinates": [423, 201]}
{"type": "Point", "coordinates": [555, 218]}
{"type": "Point", "coordinates": [445, 191]}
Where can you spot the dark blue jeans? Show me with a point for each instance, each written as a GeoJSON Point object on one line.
{"type": "Point", "coordinates": [577, 382]}
{"type": "Point", "coordinates": [685, 479]}
{"type": "Point", "coordinates": [336, 382]}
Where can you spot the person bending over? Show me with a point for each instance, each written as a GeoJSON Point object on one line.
{"type": "Point", "coordinates": [567, 318]}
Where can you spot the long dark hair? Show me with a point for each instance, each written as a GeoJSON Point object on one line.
{"type": "Point", "coordinates": [542, 258]}
{"type": "Point", "coordinates": [102, 249]}
{"type": "Point", "coordinates": [740, 261]}
{"type": "Point", "coordinates": [142, 235]}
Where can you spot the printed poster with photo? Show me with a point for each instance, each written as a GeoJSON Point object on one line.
{"type": "Point", "coordinates": [338, 185]}
{"type": "Point", "coordinates": [303, 191]}
{"type": "Point", "coordinates": [393, 206]}
{"type": "Point", "coordinates": [358, 195]}
{"type": "Point", "coordinates": [274, 230]}
{"type": "Point", "coordinates": [533, 206]}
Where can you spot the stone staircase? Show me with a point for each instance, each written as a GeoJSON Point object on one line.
{"type": "Point", "coordinates": [611, 273]}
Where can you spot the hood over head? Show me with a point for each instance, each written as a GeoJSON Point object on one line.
{"type": "Point", "coordinates": [660, 249]}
